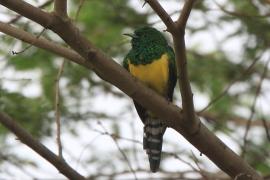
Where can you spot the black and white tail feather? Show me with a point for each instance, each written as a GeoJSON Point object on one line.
{"type": "Point", "coordinates": [152, 140]}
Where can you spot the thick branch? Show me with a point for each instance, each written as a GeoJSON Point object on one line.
{"type": "Point", "coordinates": [39, 148]}
{"type": "Point", "coordinates": [110, 71]}
{"type": "Point", "coordinates": [60, 7]}
{"type": "Point", "coordinates": [45, 4]}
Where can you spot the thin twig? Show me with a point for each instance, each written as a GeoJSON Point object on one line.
{"type": "Point", "coordinates": [240, 14]}
{"type": "Point", "coordinates": [115, 136]}
{"type": "Point", "coordinates": [164, 175]}
{"type": "Point", "coordinates": [84, 149]}
{"type": "Point", "coordinates": [134, 149]}
{"type": "Point", "coordinates": [57, 109]}
{"type": "Point", "coordinates": [237, 120]}
{"type": "Point", "coordinates": [79, 9]}
{"type": "Point", "coordinates": [225, 91]}
{"type": "Point", "coordinates": [120, 150]}
{"type": "Point", "coordinates": [31, 44]}
{"type": "Point", "coordinates": [198, 166]}
{"type": "Point", "coordinates": [184, 15]}
{"type": "Point", "coordinates": [183, 161]}
{"type": "Point", "coordinates": [15, 19]}
{"type": "Point", "coordinates": [266, 128]}
{"type": "Point", "coordinates": [252, 109]}
{"type": "Point", "coordinates": [162, 14]}
{"type": "Point", "coordinates": [15, 161]}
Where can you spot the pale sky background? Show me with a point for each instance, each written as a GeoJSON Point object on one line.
{"type": "Point", "coordinates": [80, 147]}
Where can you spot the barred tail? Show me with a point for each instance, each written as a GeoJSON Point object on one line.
{"type": "Point", "coordinates": [152, 141]}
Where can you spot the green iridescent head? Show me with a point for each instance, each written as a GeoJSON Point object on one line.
{"type": "Point", "coordinates": [148, 44]}
{"type": "Point", "coordinates": [145, 36]}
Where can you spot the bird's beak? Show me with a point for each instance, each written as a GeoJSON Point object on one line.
{"type": "Point", "coordinates": [131, 35]}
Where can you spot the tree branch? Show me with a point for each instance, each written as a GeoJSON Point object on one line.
{"type": "Point", "coordinates": [162, 14]}
{"type": "Point", "coordinates": [39, 148]}
{"type": "Point", "coordinates": [253, 106]}
{"type": "Point", "coordinates": [181, 60]}
{"type": "Point", "coordinates": [183, 18]}
{"type": "Point", "coordinates": [57, 109]}
{"type": "Point", "coordinates": [15, 19]}
{"type": "Point", "coordinates": [110, 71]}
{"type": "Point", "coordinates": [60, 8]}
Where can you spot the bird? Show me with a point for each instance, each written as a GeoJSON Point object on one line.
{"type": "Point", "coordinates": [152, 61]}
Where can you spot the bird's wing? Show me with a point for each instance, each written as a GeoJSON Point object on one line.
{"type": "Point", "coordinates": [140, 110]}
{"type": "Point", "coordinates": [125, 62]}
{"type": "Point", "coordinates": [172, 73]}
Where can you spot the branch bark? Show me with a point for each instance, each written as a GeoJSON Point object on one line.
{"type": "Point", "coordinates": [60, 8]}
{"type": "Point", "coordinates": [39, 148]}
{"type": "Point", "coordinates": [107, 69]}
{"type": "Point", "coordinates": [183, 18]}
{"type": "Point", "coordinates": [164, 16]}
{"type": "Point", "coordinates": [181, 59]}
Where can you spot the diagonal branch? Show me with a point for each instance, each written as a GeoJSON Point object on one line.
{"type": "Point", "coordinates": [57, 109]}
{"type": "Point", "coordinates": [120, 150]}
{"type": "Point", "coordinates": [183, 18]}
{"type": "Point", "coordinates": [266, 128]}
{"type": "Point", "coordinates": [181, 60]}
{"type": "Point", "coordinates": [60, 8]}
{"type": "Point", "coordinates": [252, 108]}
{"type": "Point", "coordinates": [29, 46]}
{"type": "Point", "coordinates": [233, 81]}
{"type": "Point", "coordinates": [15, 19]}
{"type": "Point", "coordinates": [162, 14]}
{"type": "Point", "coordinates": [39, 148]}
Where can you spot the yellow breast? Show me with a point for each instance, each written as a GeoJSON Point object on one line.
{"type": "Point", "coordinates": [154, 75]}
